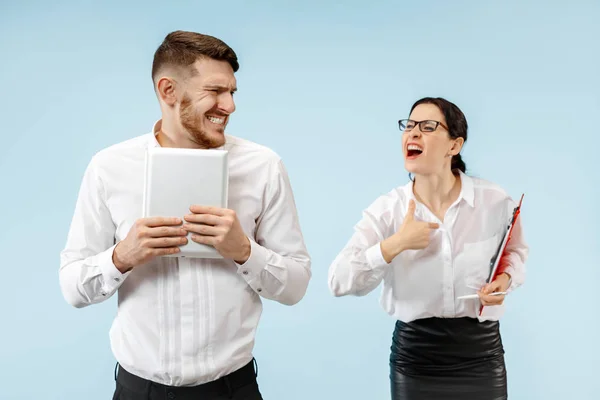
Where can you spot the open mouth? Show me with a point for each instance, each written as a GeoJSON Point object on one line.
{"type": "Point", "coordinates": [216, 120]}
{"type": "Point", "coordinates": [413, 151]}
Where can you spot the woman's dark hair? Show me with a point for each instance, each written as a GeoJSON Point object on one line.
{"type": "Point", "coordinates": [456, 122]}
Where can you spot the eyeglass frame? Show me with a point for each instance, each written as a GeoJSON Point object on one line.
{"type": "Point", "coordinates": [437, 123]}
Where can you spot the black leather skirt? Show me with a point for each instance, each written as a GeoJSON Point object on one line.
{"type": "Point", "coordinates": [447, 358]}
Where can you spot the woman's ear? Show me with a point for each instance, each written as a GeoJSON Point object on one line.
{"type": "Point", "coordinates": [457, 145]}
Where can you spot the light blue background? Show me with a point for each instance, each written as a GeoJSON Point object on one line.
{"type": "Point", "coordinates": [323, 85]}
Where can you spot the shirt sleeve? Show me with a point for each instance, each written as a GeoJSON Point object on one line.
{"type": "Point", "coordinates": [279, 266]}
{"type": "Point", "coordinates": [516, 253]}
{"type": "Point", "coordinates": [87, 274]}
{"type": "Point", "coordinates": [360, 267]}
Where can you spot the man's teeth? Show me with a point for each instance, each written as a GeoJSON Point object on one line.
{"type": "Point", "coordinates": [414, 147]}
{"type": "Point", "coordinates": [216, 120]}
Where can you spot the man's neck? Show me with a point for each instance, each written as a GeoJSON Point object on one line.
{"type": "Point", "coordinates": [437, 191]}
{"type": "Point", "coordinates": [169, 135]}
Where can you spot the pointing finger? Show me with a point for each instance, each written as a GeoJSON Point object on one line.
{"type": "Point", "coordinates": [410, 213]}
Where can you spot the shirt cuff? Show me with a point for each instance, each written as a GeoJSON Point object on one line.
{"type": "Point", "coordinates": [510, 271]}
{"type": "Point", "coordinates": [113, 278]}
{"type": "Point", "coordinates": [375, 257]}
{"type": "Point", "coordinates": [255, 263]}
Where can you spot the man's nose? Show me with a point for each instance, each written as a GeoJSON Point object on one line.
{"type": "Point", "coordinates": [226, 103]}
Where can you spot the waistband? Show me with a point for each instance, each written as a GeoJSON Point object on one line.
{"type": "Point", "coordinates": [224, 385]}
{"type": "Point", "coordinates": [441, 345]}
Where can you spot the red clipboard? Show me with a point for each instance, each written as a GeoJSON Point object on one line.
{"type": "Point", "coordinates": [499, 255]}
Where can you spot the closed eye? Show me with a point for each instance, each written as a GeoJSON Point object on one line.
{"type": "Point", "coordinates": [220, 89]}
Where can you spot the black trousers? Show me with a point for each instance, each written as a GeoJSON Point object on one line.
{"type": "Point", "coordinates": [447, 358]}
{"type": "Point", "coordinates": [239, 385]}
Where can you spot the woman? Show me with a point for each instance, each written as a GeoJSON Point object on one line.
{"type": "Point", "coordinates": [431, 241]}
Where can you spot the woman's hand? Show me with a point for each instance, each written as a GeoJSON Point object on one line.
{"type": "Point", "coordinates": [412, 235]}
{"type": "Point", "coordinates": [500, 284]}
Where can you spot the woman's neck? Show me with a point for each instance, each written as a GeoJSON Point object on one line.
{"type": "Point", "coordinates": [437, 191]}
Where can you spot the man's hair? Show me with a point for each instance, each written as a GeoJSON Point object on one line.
{"type": "Point", "coordinates": [182, 49]}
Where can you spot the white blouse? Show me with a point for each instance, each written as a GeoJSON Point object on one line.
{"type": "Point", "coordinates": [426, 283]}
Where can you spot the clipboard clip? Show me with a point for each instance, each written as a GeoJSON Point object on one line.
{"type": "Point", "coordinates": [516, 212]}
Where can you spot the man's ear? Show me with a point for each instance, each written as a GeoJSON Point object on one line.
{"type": "Point", "coordinates": [165, 87]}
{"type": "Point", "coordinates": [457, 145]}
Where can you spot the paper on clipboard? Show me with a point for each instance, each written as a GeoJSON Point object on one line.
{"type": "Point", "coordinates": [497, 258]}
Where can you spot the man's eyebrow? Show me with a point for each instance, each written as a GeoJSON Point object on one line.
{"type": "Point", "coordinates": [220, 87]}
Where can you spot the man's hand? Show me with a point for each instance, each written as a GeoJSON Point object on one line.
{"type": "Point", "coordinates": [412, 234]}
{"type": "Point", "coordinates": [500, 284]}
{"type": "Point", "coordinates": [220, 228]}
{"type": "Point", "coordinates": [148, 238]}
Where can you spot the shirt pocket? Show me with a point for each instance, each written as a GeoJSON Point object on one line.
{"type": "Point", "coordinates": [473, 264]}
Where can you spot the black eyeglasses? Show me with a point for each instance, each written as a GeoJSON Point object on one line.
{"type": "Point", "coordinates": [424, 126]}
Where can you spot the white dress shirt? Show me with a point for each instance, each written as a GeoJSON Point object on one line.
{"type": "Point", "coordinates": [185, 321]}
{"type": "Point", "coordinates": [425, 283]}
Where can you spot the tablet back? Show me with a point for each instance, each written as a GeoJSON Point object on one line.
{"type": "Point", "coordinates": [175, 179]}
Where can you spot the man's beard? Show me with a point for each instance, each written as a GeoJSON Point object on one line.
{"type": "Point", "coordinates": [192, 121]}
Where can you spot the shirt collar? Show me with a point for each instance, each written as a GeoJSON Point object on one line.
{"type": "Point", "coordinates": [153, 142]}
{"type": "Point", "coordinates": [467, 189]}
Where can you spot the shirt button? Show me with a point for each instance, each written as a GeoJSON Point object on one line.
{"type": "Point", "coordinates": [245, 272]}
{"type": "Point", "coordinates": [171, 395]}
{"type": "Point", "coordinates": [103, 293]}
{"type": "Point", "coordinates": [117, 280]}
{"type": "Point", "coordinates": [259, 290]}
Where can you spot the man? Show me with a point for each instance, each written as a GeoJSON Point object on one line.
{"type": "Point", "coordinates": [185, 327]}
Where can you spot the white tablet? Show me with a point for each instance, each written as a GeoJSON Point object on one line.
{"type": "Point", "coordinates": [175, 179]}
